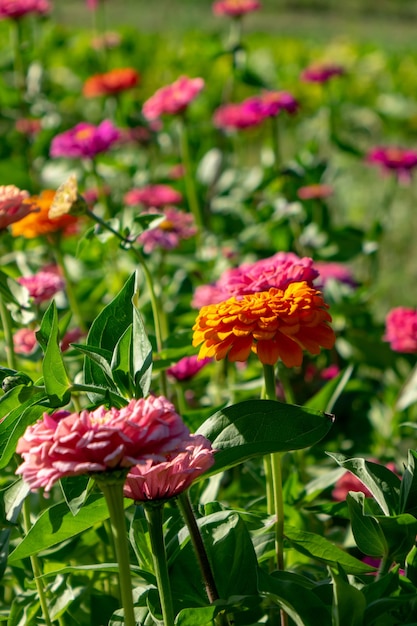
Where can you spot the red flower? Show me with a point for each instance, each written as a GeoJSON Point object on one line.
{"type": "Point", "coordinates": [111, 82]}
{"type": "Point", "coordinates": [321, 72]}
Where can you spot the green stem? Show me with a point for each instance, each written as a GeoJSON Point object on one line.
{"type": "Point", "coordinates": [69, 286]}
{"type": "Point", "coordinates": [113, 492]}
{"type": "Point", "coordinates": [154, 517]}
{"type": "Point", "coordinates": [190, 188]}
{"type": "Point", "coordinates": [36, 568]}
{"type": "Point", "coordinates": [6, 322]}
{"type": "Point", "coordinates": [275, 132]}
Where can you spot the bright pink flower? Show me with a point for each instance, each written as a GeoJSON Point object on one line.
{"type": "Point", "coordinates": [348, 482]}
{"type": "Point", "coordinates": [187, 367]}
{"type": "Point", "coordinates": [321, 72]}
{"type": "Point", "coordinates": [13, 206]}
{"type": "Point", "coordinates": [168, 233]}
{"type": "Point", "coordinates": [401, 329]}
{"type": "Point", "coordinates": [332, 270]}
{"type": "Point", "coordinates": [316, 191]}
{"type": "Point", "coordinates": [153, 196]}
{"type": "Point", "coordinates": [238, 116]}
{"type": "Point", "coordinates": [24, 341]}
{"type": "Point", "coordinates": [69, 444]}
{"type": "Point", "coordinates": [328, 373]}
{"type": "Point", "coordinates": [43, 285]}
{"type": "Point", "coordinates": [235, 8]}
{"type": "Point", "coordinates": [16, 9]}
{"type": "Point", "coordinates": [85, 140]}
{"type": "Point", "coordinates": [400, 161]}
{"type": "Point", "coordinates": [172, 99]}
{"type": "Point", "coordinates": [152, 480]}
{"type": "Point", "coordinates": [92, 4]}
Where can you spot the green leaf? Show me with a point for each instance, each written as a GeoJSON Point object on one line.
{"type": "Point", "coordinates": [142, 352]}
{"type": "Point", "coordinates": [57, 524]}
{"type": "Point", "coordinates": [326, 398]}
{"type": "Point", "coordinates": [99, 356]}
{"type": "Point", "coordinates": [75, 490]}
{"type": "Point", "coordinates": [366, 530]}
{"type": "Point", "coordinates": [121, 365]}
{"type": "Point", "coordinates": [203, 616]}
{"type": "Point", "coordinates": [318, 547]}
{"type": "Point", "coordinates": [408, 394]}
{"type": "Point", "coordinates": [400, 533]}
{"type": "Point", "coordinates": [408, 489]}
{"type": "Point", "coordinates": [348, 603]}
{"type": "Point", "coordinates": [55, 376]}
{"type": "Point", "coordinates": [258, 427]}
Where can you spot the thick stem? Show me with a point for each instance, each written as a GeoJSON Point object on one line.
{"type": "Point", "coordinates": [113, 493]}
{"type": "Point", "coordinates": [153, 514]}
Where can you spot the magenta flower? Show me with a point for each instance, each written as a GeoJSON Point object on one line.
{"type": "Point", "coordinates": [316, 191]}
{"type": "Point", "coordinates": [168, 232]}
{"type": "Point", "coordinates": [155, 480]}
{"type": "Point", "coordinates": [24, 341]}
{"type": "Point", "coordinates": [16, 9]}
{"type": "Point", "coordinates": [400, 161]}
{"type": "Point", "coordinates": [69, 444]}
{"type": "Point", "coordinates": [401, 329]}
{"type": "Point", "coordinates": [237, 116]}
{"type": "Point", "coordinates": [153, 196]}
{"type": "Point", "coordinates": [43, 285]}
{"type": "Point", "coordinates": [321, 72]}
{"type": "Point", "coordinates": [85, 140]}
{"type": "Point", "coordinates": [172, 99]}
{"type": "Point", "coordinates": [235, 8]}
{"type": "Point", "coordinates": [13, 206]}
{"type": "Point", "coordinates": [187, 367]}
{"type": "Point", "coordinates": [71, 336]}
{"type": "Point", "coordinates": [271, 103]}
{"type": "Point", "coordinates": [332, 270]}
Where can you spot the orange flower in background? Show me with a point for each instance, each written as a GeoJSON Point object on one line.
{"type": "Point", "coordinates": [111, 82]}
{"type": "Point", "coordinates": [37, 224]}
{"type": "Point", "coordinates": [275, 324]}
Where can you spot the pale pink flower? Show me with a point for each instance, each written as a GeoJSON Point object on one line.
{"type": "Point", "coordinates": [235, 8]}
{"type": "Point", "coordinates": [69, 444]}
{"type": "Point", "coordinates": [106, 41]}
{"type": "Point", "coordinates": [401, 329]}
{"type": "Point", "coordinates": [333, 270]}
{"type": "Point", "coordinates": [85, 140]}
{"type": "Point", "coordinates": [43, 285]}
{"type": "Point", "coordinates": [237, 116]}
{"type": "Point", "coordinates": [316, 191]}
{"type": "Point", "coordinates": [348, 482]}
{"type": "Point", "coordinates": [187, 367]}
{"type": "Point", "coordinates": [207, 294]}
{"type": "Point", "coordinates": [321, 72]}
{"type": "Point", "coordinates": [28, 126]}
{"type": "Point", "coordinates": [13, 206]}
{"type": "Point", "coordinates": [400, 161]}
{"type": "Point", "coordinates": [271, 103]}
{"type": "Point", "coordinates": [169, 232]}
{"type": "Point", "coordinates": [177, 171]}
{"type": "Point", "coordinates": [153, 196]}
{"type": "Point", "coordinates": [155, 480]}
{"type": "Point", "coordinates": [173, 98]}
{"type": "Point", "coordinates": [24, 341]}
{"type": "Point", "coordinates": [16, 9]}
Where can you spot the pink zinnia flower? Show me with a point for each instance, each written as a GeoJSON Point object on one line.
{"type": "Point", "coordinates": [43, 285]}
{"type": "Point", "coordinates": [24, 341]}
{"type": "Point", "coordinates": [13, 205]}
{"type": "Point", "coordinates": [168, 233]}
{"type": "Point", "coordinates": [401, 329]}
{"type": "Point", "coordinates": [235, 8]}
{"type": "Point", "coordinates": [316, 191]}
{"type": "Point", "coordinates": [400, 161]}
{"type": "Point", "coordinates": [69, 444]}
{"type": "Point", "coordinates": [162, 480]}
{"type": "Point", "coordinates": [187, 367]}
{"type": "Point", "coordinates": [332, 270]}
{"type": "Point", "coordinates": [16, 9]}
{"type": "Point", "coordinates": [348, 482]}
{"type": "Point", "coordinates": [237, 116]}
{"type": "Point", "coordinates": [72, 335]}
{"type": "Point", "coordinates": [153, 196]}
{"type": "Point", "coordinates": [85, 140]}
{"type": "Point", "coordinates": [321, 72]}
{"type": "Point", "coordinates": [271, 103]}
{"type": "Point", "coordinates": [28, 126]}
{"type": "Point", "coordinates": [172, 99]}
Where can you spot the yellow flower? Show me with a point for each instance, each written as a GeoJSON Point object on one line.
{"type": "Point", "coordinates": [275, 324]}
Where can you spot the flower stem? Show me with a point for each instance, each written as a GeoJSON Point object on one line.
{"type": "Point", "coordinates": [153, 514]}
{"type": "Point", "coordinates": [190, 189]}
{"type": "Point", "coordinates": [6, 322]}
{"type": "Point", "coordinates": [113, 492]}
{"type": "Point", "coordinates": [69, 286]}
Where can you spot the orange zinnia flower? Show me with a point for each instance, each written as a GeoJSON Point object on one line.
{"type": "Point", "coordinates": [275, 324]}
{"type": "Point", "coordinates": [111, 82]}
{"type": "Point", "coordinates": [37, 224]}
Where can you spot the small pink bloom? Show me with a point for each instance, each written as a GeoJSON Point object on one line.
{"type": "Point", "coordinates": [332, 270]}
{"type": "Point", "coordinates": [328, 373]}
{"type": "Point", "coordinates": [24, 341]}
{"type": "Point", "coordinates": [177, 171]}
{"type": "Point", "coordinates": [71, 336]}
{"type": "Point", "coordinates": [400, 161]}
{"type": "Point", "coordinates": [173, 98]}
{"type": "Point", "coordinates": [348, 482]}
{"type": "Point", "coordinates": [28, 126]}
{"type": "Point", "coordinates": [153, 480]}
{"type": "Point", "coordinates": [207, 294]}
{"type": "Point", "coordinates": [43, 285]}
{"type": "Point", "coordinates": [106, 41]}
{"type": "Point", "coordinates": [153, 196]}
{"type": "Point", "coordinates": [321, 72]}
{"type": "Point", "coordinates": [238, 116]}
{"type": "Point", "coordinates": [92, 5]}
{"type": "Point", "coordinates": [168, 233]}
{"type": "Point", "coordinates": [316, 191]}
{"type": "Point", "coordinates": [401, 329]}
{"type": "Point", "coordinates": [64, 444]}
{"type": "Point", "coordinates": [235, 8]}
{"type": "Point", "coordinates": [187, 367]}
{"type": "Point", "coordinates": [85, 140]}
{"type": "Point", "coordinates": [13, 206]}
{"type": "Point", "coordinates": [16, 9]}
{"type": "Point", "coordinates": [271, 103]}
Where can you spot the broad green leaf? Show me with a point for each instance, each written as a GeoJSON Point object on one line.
{"type": "Point", "coordinates": [110, 568]}
{"type": "Point", "coordinates": [400, 533]}
{"type": "Point", "coordinates": [13, 499]}
{"type": "Point", "coordinates": [390, 608]}
{"type": "Point", "coordinates": [55, 376]}
{"type": "Point", "coordinates": [121, 363]}
{"type": "Point", "coordinates": [326, 398]}
{"type": "Point", "coordinates": [142, 352]}
{"type": "Point", "coordinates": [75, 490]}
{"type": "Point", "coordinates": [203, 616]}
{"type": "Point", "coordinates": [348, 603]}
{"type": "Point", "coordinates": [383, 484]}
{"type": "Point", "coordinates": [408, 394]}
{"type": "Point", "coordinates": [318, 547]}
{"type": "Point", "coordinates": [57, 524]}
{"type": "Point", "coordinates": [258, 427]}
{"type": "Point", "coordinates": [408, 490]}
{"type": "Point", "coordinates": [100, 356]}
{"type": "Point", "coordinates": [411, 565]}
{"type": "Point", "coordinates": [366, 530]}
